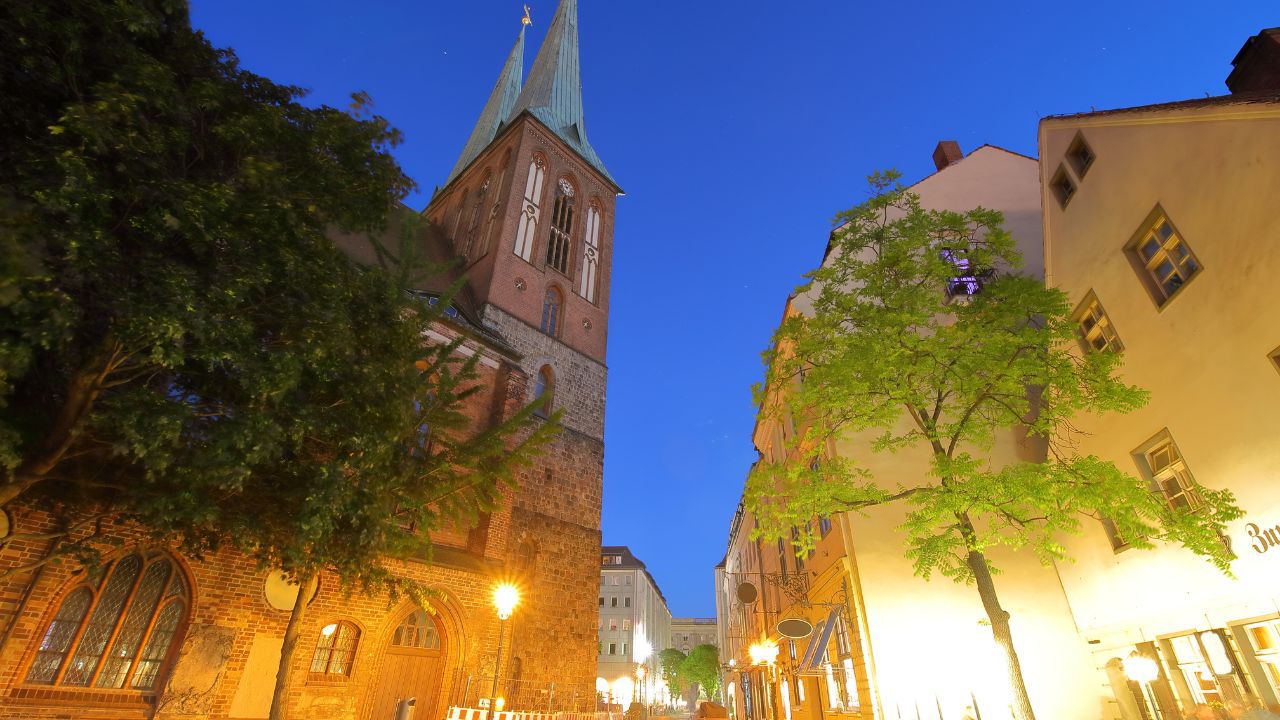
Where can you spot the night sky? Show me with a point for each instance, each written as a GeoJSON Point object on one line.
{"type": "Point", "coordinates": [737, 129]}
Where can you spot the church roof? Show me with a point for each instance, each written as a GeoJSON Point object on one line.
{"type": "Point", "coordinates": [553, 93]}
{"type": "Point", "coordinates": [498, 108]}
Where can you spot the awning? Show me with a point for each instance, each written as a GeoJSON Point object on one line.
{"type": "Point", "coordinates": [817, 649]}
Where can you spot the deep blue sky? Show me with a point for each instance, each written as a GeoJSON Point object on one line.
{"type": "Point", "coordinates": [737, 130]}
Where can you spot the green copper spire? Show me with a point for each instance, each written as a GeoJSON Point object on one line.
{"type": "Point", "coordinates": [498, 109]}
{"type": "Point", "coordinates": [553, 93]}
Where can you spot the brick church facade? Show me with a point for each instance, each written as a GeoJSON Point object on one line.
{"type": "Point", "coordinates": [527, 216]}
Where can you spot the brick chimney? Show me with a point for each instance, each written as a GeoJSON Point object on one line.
{"type": "Point", "coordinates": [947, 153]}
{"type": "Point", "coordinates": [1257, 65]}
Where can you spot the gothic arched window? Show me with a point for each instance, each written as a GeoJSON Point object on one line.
{"type": "Point", "coordinates": [417, 630]}
{"type": "Point", "coordinates": [558, 244]}
{"type": "Point", "coordinates": [529, 215]}
{"type": "Point", "coordinates": [551, 309]}
{"type": "Point", "coordinates": [543, 389]}
{"type": "Point", "coordinates": [135, 605]}
{"type": "Point", "coordinates": [477, 211]}
{"type": "Point", "coordinates": [459, 214]}
{"type": "Point", "coordinates": [335, 650]}
{"type": "Point", "coordinates": [590, 255]}
{"type": "Point", "coordinates": [486, 238]}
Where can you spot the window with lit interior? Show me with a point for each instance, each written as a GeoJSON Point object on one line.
{"type": "Point", "coordinates": [335, 651]}
{"type": "Point", "coordinates": [116, 628]}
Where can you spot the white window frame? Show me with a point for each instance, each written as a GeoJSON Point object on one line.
{"type": "Point", "coordinates": [1166, 468]}
{"type": "Point", "coordinates": [1159, 244]}
{"type": "Point", "coordinates": [1094, 325]}
{"type": "Point", "coordinates": [527, 229]}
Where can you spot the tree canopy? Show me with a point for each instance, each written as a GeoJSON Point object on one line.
{"type": "Point", "coordinates": [702, 668]}
{"type": "Point", "coordinates": [670, 662]}
{"type": "Point", "coordinates": [925, 335]}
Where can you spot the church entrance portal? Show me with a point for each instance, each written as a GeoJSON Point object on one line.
{"type": "Point", "coordinates": [412, 668]}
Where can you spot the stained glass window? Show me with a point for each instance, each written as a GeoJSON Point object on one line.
{"type": "Point", "coordinates": [135, 604]}
{"type": "Point", "coordinates": [335, 650]}
{"type": "Point", "coordinates": [417, 631]}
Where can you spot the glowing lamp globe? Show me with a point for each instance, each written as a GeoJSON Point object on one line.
{"type": "Point", "coordinates": [505, 599]}
{"type": "Point", "coordinates": [1140, 669]}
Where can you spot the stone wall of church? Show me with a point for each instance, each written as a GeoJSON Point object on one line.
{"type": "Point", "coordinates": [579, 380]}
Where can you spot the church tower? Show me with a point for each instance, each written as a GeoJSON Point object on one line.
{"type": "Point", "coordinates": [529, 207]}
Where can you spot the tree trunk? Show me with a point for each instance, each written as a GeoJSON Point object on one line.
{"type": "Point", "coordinates": [999, 617]}
{"type": "Point", "coordinates": [280, 700]}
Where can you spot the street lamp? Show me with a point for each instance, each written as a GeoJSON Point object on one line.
{"type": "Point", "coordinates": [1143, 670]}
{"type": "Point", "coordinates": [505, 598]}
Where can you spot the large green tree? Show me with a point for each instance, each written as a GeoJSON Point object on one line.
{"type": "Point", "coordinates": [669, 664]}
{"type": "Point", "coordinates": [182, 346]}
{"type": "Point", "coordinates": [702, 668]}
{"type": "Point", "coordinates": [888, 355]}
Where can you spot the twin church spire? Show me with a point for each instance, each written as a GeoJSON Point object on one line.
{"type": "Point", "coordinates": [553, 93]}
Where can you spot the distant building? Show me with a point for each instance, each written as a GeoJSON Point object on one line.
{"type": "Point", "coordinates": [1162, 224]}
{"type": "Point", "coordinates": [634, 626]}
{"type": "Point", "coordinates": [689, 633]}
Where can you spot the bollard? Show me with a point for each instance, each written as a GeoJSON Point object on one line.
{"type": "Point", "coordinates": [404, 709]}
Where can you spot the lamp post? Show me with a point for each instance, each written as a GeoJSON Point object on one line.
{"type": "Point", "coordinates": [505, 599]}
{"type": "Point", "coordinates": [1143, 670]}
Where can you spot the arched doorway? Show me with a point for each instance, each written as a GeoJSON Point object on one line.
{"type": "Point", "coordinates": [412, 668]}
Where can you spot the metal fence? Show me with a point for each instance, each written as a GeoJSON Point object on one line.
{"type": "Point", "coordinates": [474, 691]}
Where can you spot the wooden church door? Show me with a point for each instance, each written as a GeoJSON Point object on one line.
{"type": "Point", "coordinates": [412, 668]}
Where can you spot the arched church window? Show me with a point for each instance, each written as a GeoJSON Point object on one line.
{"type": "Point", "coordinates": [543, 390]}
{"type": "Point", "coordinates": [590, 255]}
{"type": "Point", "coordinates": [116, 629]}
{"type": "Point", "coordinates": [529, 215]}
{"type": "Point", "coordinates": [558, 244]}
{"type": "Point", "coordinates": [335, 650]}
{"type": "Point", "coordinates": [486, 238]}
{"type": "Point", "coordinates": [459, 214]}
{"type": "Point", "coordinates": [551, 309]}
{"type": "Point", "coordinates": [477, 212]}
{"type": "Point", "coordinates": [417, 630]}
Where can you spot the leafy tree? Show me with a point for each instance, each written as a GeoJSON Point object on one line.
{"type": "Point", "coordinates": [885, 356]}
{"type": "Point", "coordinates": [702, 668]}
{"type": "Point", "coordinates": [669, 664]}
{"type": "Point", "coordinates": [182, 346]}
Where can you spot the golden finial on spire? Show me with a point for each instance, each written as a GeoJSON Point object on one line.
{"type": "Point", "coordinates": [526, 20]}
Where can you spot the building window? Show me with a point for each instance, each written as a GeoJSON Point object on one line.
{"type": "Point", "coordinates": [551, 305]}
{"type": "Point", "coordinates": [627, 580]}
{"type": "Point", "coordinates": [135, 605]}
{"type": "Point", "coordinates": [626, 623]}
{"type": "Point", "coordinates": [1163, 257]}
{"type": "Point", "coordinates": [626, 602]}
{"type": "Point", "coordinates": [335, 650]}
{"type": "Point", "coordinates": [542, 392]}
{"type": "Point", "coordinates": [624, 648]}
{"type": "Point", "coordinates": [477, 214]}
{"type": "Point", "coordinates": [824, 525]}
{"type": "Point", "coordinates": [590, 255]}
{"type": "Point", "coordinates": [1080, 156]}
{"type": "Point", "coordinates": [417, 630]}
{"type": "Point", "coordinates": [613, 602]}
{"type": "Point", "coordinates": [1117, 541]}
{"type": "Point", "coordinates": [528, 225]}
{"type": "Point", "coordinates": [967, 280]}
{"type": "Point", "coordinates": [1168, 472]}
{"type": "Point", "coordinates": [613, 648]}
{"type": "Point", "coordinates": [1094, 327]}
{"type": "Point", "coordinates": [1265, 639]}
{"type": "Point", "coordinates": [613, 624]}
{"type": "Point", "coordinates": [1062, 186]}
{"type": "Point", "coordinates": [602, 601]}
{"type": "Point", "coordinates": [561, 228]}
